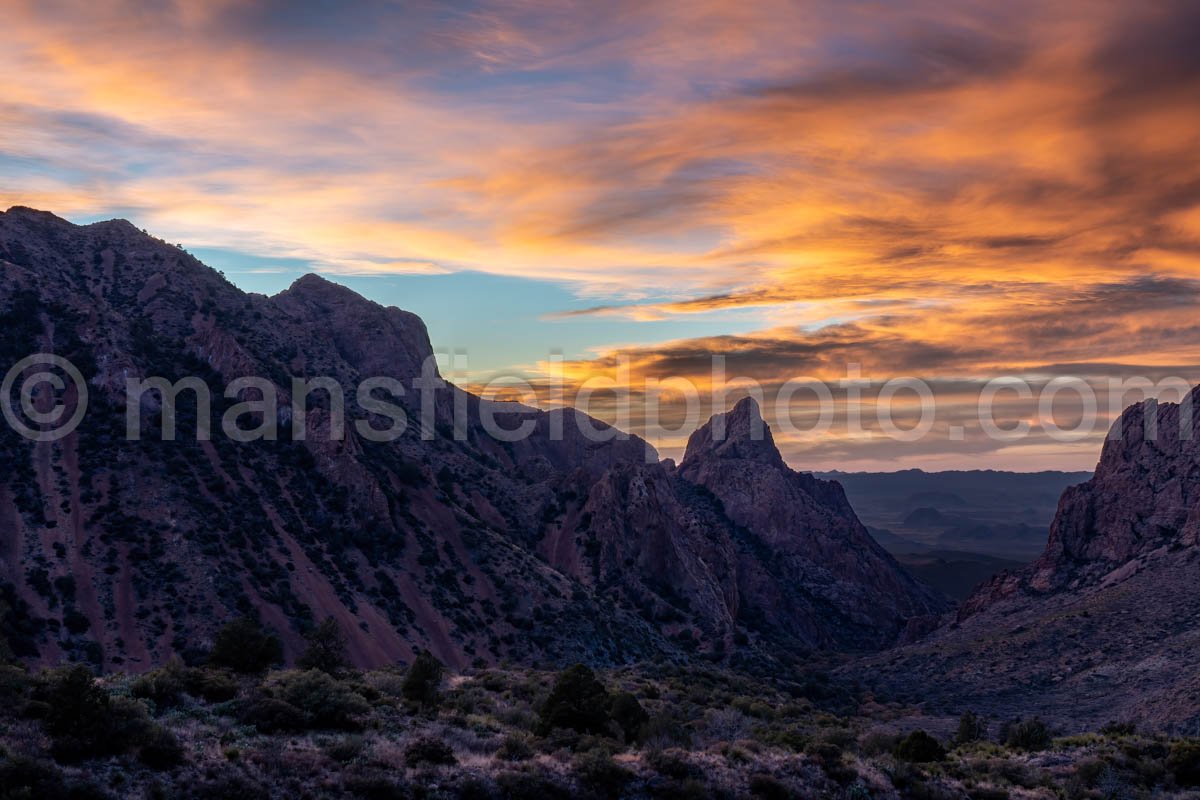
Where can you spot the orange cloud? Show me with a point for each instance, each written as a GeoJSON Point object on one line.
{"type": "Point", "coordinates": [913, 187]}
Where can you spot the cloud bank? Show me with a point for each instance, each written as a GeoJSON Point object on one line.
{"type": "Point", "coordinates": [945, 192]}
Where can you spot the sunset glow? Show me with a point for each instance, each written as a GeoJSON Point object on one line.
{"type": "Point", "coordinates": [950, 193]}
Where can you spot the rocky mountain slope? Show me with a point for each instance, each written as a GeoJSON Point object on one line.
{"type": "Point", "coordinates": [824, 566]}
{"type": "Point", "coordinates": [1105, 624]}
{"type": "Point", "coordinates": [552, 548]}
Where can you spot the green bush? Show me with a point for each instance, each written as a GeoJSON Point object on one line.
{"type": "Point", "coordinates": [326, 649]}
{"type": "Point", "coordinates": [346, 749]}
{"type": "Point", "coordinates": [673, 764]}
{"type": "Point", "coordinates": [971, 728]}
{"type": "Point", "coordinates": [919, 747]}
{"type": "Point", "coordinates": [212, 685]}
{"type": "Point", "coordinates": [531, 786]}
{"type": "Point", "coordinates": [990, 793]}
{"type": "Point", "coordinates": [423, 681]}
{"type": "Point", "coordinates": [165, 686]}
{"type": "Point", "coordinates": [1115, 728]}
{"type": "Point", "coordinates": [168, 685]}
{"type": "Point", "coordinates": [374, 783]}
{"type": "Point", "coordinates": [15, 684]}
{"type": "Point", "coordinates": [629, 715]}
{"type": "Point", "coordinates": [768, 788]}
{"type": "Point", "coordinates": [877, 743]}
{"type": "Point", "coordinates": [515, 747]}
{"type": "Point", "coordinates": [270, 715]}
{"type": "Point", "coordinates": [578, 702]}
{"type": "Point", "coordinates": [1030, 734]}
{"type": "Point", "coordinates": [325, 702]}
{"type": "Point", "coordinates": [474, 788]}
{"type": "Point", "coordinates": [597, 771]}
{"type": "Point", "coordinates": [244, 646]}
{"type": "Point", "coordinates": [23, 778]}
{"type": "Point", "coordinates": [161, 749]}
{"type": "Point", "coordinates": [429, 750]}
{"type": "Point", "coordinates": [1184, 763]}
{"type": "Point", "coordinates": [82, 720]}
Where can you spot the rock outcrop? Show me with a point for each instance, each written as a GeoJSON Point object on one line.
{"type": "Point", "coordinates": [827, 580]}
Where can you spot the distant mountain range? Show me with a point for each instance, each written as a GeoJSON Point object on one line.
{"type": "Point", "coordinates": [554, 548]}
{"type": "Point", "coordinates": [1000, 514]}
{"type": "Point", "coordinates": [955, 529]}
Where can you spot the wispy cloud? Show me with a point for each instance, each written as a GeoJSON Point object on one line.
{"type": "Point", "coordinates": [916, 187]}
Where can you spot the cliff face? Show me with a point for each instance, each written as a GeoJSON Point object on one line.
{"type": "Point", "coordinates": [1144, 497]}
{"type": "Point", "coordinates": [549, 549]}
{"type": "Point", "coordinates": [1141, 505]}
{"type": "Point", "coordinates": [1103, 625]}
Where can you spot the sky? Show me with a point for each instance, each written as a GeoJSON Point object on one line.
{"type": "Point", "coordinates": [951, 192]}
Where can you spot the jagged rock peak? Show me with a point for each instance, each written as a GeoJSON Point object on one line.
{"type": "Point", "coordinates": [376, 339]}
{"type": "Point", "coordinates": [739, 433]}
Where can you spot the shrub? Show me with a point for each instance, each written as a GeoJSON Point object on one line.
{"type": "Point", "coordinates": [228, 785]}
{"type": "Point", "coordinates": [1115, 728]}
{"type": "Point", "coordinates": [475, 789]}
{"type": "Point", "coordinates": [373, 783]}
{"type": "Point", "coordinates": [326, 649]}
{"type": "Point", "coordinates": [768, 788]}
{"type": "Point", "coordinates": [990, 793]}
{"type": "Point", "coordinates": [347, 749]}
{"type": "Point", "coordinates": [1031, 735]}
{"type": "Point", "coordinates": [919, 748]}
{"type": "Point", "coordinates": [269, 715]}
{"type": "Point", "coordinates": [971, 728]}
{"type": "Point", "coordinates": [531, 786]}
{"type": "Point", "coordinates": [326, 702]}
{"type": "Point", "coordinates": [167, 686]}
{"type": "Point", "coordinates": [672, 764]}
{"type": "Point", "coordinates": [164, 686]}
{"type": "Point", "coordinates": [725, 725]}
{"type": "Point", "coordinates": [597, 771]}
{"type": "Point", "coordinates": [23, 778]}
{"type": "Point", "coordinates": [1184, 763]}
{"type": "Point", "coordinates": [14, 687]}
{"type": "Point", "coordinates": [629, 715]}
{"type": "Point", "coordinates": [82, 720]}
{"type": "Point", "coordinates": [790, 737]}
{"type": "Point", "coordinates": [75, 704]}
{"type": "Point", "coordinates": [429, 750]}
{"type": "Point", "coordinates": [877, 743]}
{"type": "Point", "coordinates": [213, 686]}
{"type": "Point", "coordinates": [832, 760]}
{"type": "Point", "coordinates": [515, 747]}
{"type": "Point", "coordinates": [577, 702]}
{"type": "Point", "coordinates": [859, 791]}
{"type": "Point", "coordinates": [244, 646]}
{"type": "Point", "coordinates": [423, 681]}
{"type": "Point", "coordinates": [161, 750]}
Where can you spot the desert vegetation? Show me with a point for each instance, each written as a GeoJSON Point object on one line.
{"type": "Point", "coordinates": [243, 726]}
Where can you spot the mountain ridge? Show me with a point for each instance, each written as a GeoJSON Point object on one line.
{"type": "Point", "coordinates": [553, 548]}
